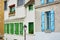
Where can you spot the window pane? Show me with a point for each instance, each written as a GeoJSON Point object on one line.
{"type": "Point", "coordinates": [31, 27]}
{"type": "Point", "coordinates": [21, 28]}
{"type": "Point", "coordinates": [8, 28]}
{"type": "Point", "coordinates": [12, 28]}
{"type": "Point", "coordinates": [30, 7]}
{"type": "Point", "coordinates": [17, 28]}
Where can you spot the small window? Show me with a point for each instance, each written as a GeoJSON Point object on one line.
{"type": "Point", "coordinates": [31, 28]}
{"type": "Point", "coordinates": [5, 5]}
{"type": "Point", "coordinates": [50, 1]}
{"type": "Point", "coordinates": [20, 2]}
{"type": "Point", "coordinates": [30, 7]}
{"type": "Point", "coordinates": [12, 10]}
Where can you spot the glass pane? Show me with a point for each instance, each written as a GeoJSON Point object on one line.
{"type": "Point", "coordinates": [17, 28]}
{"type": "Point", "coordinates": [12, 28]}
{"type": "Point", "coordinates": [31, 27]}
{"type": "Point", "coordinates": [21, 28]}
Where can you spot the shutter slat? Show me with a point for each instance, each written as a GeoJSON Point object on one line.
{"type": "Point", "coordinates": [43, 23]}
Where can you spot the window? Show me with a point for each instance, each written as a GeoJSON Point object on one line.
{"type": "Point", "coordinates": [20, 2]}
{"type": "Point", "coordinates": [31, 28]}
{"type": "Point", "coordinates": [12, 28]}
{"type": "Point", "coordinates": [5, 5]}
{"type": "Point", "coordinates": [48, 21]}
{"type": "Point", "coordinates": [50, 1]}
{"type": "Point", "coordinates": [16, 28]}
{"type": "Point", "coordinates": [21, 28]}
{"type": "Point", "coordinates": [12, 10]}
{"type": "Point", "coordinates": [30, 7]}
{"type": "Point", "coordinates": [42, 2]}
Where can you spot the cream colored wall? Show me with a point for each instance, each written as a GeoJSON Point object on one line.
{"type": "Point", "coordinates": [47, 8]}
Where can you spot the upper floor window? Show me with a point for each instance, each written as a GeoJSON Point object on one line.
{"type": "Point", "coordinates": [46, 1]}
{"type": "Point", "coordinates": [30, 7]}
{"type": "Point", "coordinates": [20, 2]}
{"type": "Point", "coordinates": [48, 21]}
{"type": "Point", "coordinates": [12, 10]}
{"type": "Point", "coordinates": [5, 5]}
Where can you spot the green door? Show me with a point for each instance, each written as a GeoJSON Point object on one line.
{"type": "Point", "coordinates": [12, 28]}
{"type": "Point", "coordinates": [31, 28]}
{"type": "Point", "coordinates": [17, 28]}
{"type": "Point", "coordinates": [21, 28]}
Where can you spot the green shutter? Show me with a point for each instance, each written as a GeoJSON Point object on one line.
{"type": "Point", "coordinates": [30, 7]}
{"type": "Point", "coordinates": [31, 28]}
{"type": "Point", "coordinates": [8, 28]}
{"type": "Point", "coordinates": [17, 28]}
{"type": "Point", "coordinates": [21, 28]}
{"type": "Point", "coordinates": [12, 28]}
{"type": "Point", "coordinates": [5, 30]}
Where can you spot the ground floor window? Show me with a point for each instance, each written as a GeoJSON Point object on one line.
{"type": "Point", "coordinates": [31, 27]}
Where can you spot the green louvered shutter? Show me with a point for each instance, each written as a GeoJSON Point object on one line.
{"type": "Point", "coordinates": [52, 21]}
{"type": "Point", "coordinates": [12, 28]}
{"type": "Point", "coordinates": [21, 28]}
{"type": "Point", "coordinates": [17, 28]}
{"type": "Point", "coordinates": [8, 28]}
{"type": "Point", "coordinates": [5, 28]}
{"type": "Point", "coordinates": [31, 28]}
{"type": "Point", "coordinates": [42, 21]}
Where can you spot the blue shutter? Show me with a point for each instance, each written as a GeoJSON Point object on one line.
{"type": "Point", "coordinates": [52, 21]}
{"type": "Point", "coordinates": [51, 1]}
{"type": "Point", "coordinates": [42, 2]}
{"type": "Point", "coordinates": [42, 21]}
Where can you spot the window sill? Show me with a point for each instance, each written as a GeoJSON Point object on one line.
{"type": "Point", "coordinates": [48, 31]}
{"type": "Point", "coordinates": [11, 14]}
{"type": "Point", "coordinates": [49, 4]}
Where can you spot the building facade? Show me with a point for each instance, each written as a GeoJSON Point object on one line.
{"type": "Point", "coordinates": [47, 19]}
{"type": "Point", "coordinates": [16, 15]}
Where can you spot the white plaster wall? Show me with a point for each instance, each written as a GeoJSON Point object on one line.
{"type": "Point", "coordinates": [47, 36]}
{"type": "Point", "coordinates": [20, 10]}
{"type": "Point", "coordinates": [30, 17]}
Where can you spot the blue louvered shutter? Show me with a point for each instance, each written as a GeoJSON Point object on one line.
{"type": "Point", "coordinates": [50, 1]}
{"type": "Point", "coordinates": [42, 21]}
{"type": "Point", "coordinates": [42, 2]}
{"type": "Point", "coordinates": [52, 21]}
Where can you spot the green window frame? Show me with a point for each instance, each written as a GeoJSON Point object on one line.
{"type": "Point", "coordinates": [17, 28]}
{"type": "Point", "coordinates": [30, 7]}
{"type": "Point", "coordinates": [12, 28]}
{"type": "Point", "coordinates": [8, 28]}
{"type": "Point", "coordinates": [31, 27]}
{"type": "Point", "coordinates": [21, 28]}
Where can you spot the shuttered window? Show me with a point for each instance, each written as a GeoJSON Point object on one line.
{"type": "Point", "coordinates": [31, 28]}
{"type": "Point", "coordinates": [42, 2]}
{"type": "Point", "coordinates": [5, 5]}
{"type": "Point", "coordinates": [5, 28]}
{"type": "Point", "coordinates": [8, 28]}
{"type": "Point", "coordinates": [50, 1]}
{"type": "Point", "coordinates": [30, 7]}
{"type": "Point", "coordinates": [47, 21]}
